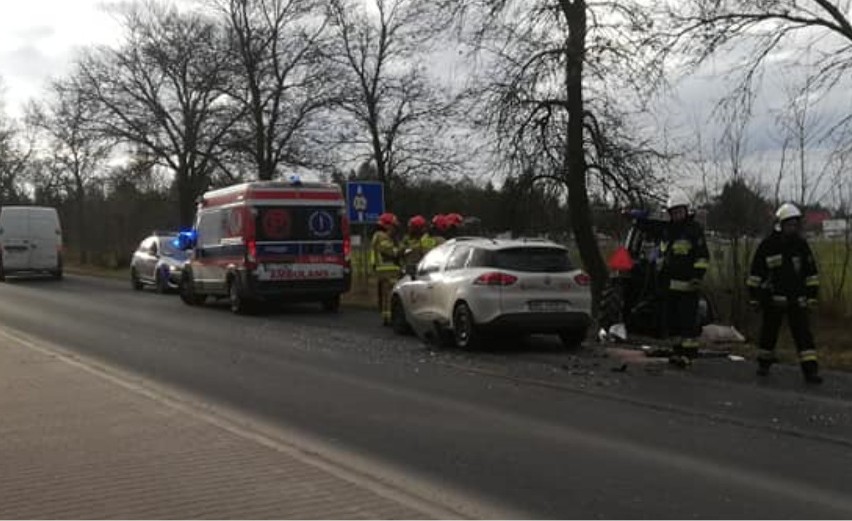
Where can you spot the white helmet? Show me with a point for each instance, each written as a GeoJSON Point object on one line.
{"type": "Point", "coordinates": [677, 198]}
{"type": "Point", "coordinates": [787, 211]}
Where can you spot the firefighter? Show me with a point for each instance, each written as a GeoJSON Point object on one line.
{"type": "Point", "coordinates": [384, 255]}
{"type": "Point", "coordinates": [784, 281]}
{"type": "Point", "coordinates": [685, 259]}
{"type": "Point", "coordinates": [418, 241]}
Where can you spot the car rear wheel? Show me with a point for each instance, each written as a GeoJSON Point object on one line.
{"type": "Point", "coordinates": [465, 333]}
{"type": "Point", "coordinates": [572, 338]}
{"type": "Point", "coordinates": [399, 324]}
{"type": "Point", "coordinates": [135, 283]}
{"type": "Point", "coordinates": [187, 291]}
{"type": "Point", "coordinates": [239, 304]}
{"type": "Point", "coordinates": [331, 305]}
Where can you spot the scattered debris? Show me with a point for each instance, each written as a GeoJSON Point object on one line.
{"type": "Point", "coordinates": [720, 334]}
{"type": "Point", "coordinates": [736, 358]}
{"type": "Point", "coordinates": [618, 332]}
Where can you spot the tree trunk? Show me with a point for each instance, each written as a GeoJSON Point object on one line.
{"type": "Point", "coordinates": [82, 236]}
{"type": "Point", "coordinates": [574, 163]}
{"type": "Point", "coordinates": [186, 197]}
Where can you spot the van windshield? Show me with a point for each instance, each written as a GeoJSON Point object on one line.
{"type": "Point", "coordinates": [297, 223]}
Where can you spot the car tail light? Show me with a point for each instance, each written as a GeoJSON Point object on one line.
{"type": "Point", "coordinates": [582, 279]}
{"type": "Point", "coordinates": [495, 279]}
{"type": "Point", "coordinates": [347, 239]}
{"type": "Point", "coordinates": [251, 255]}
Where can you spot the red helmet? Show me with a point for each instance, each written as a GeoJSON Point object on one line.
{"type": "Point", "coordinates": [439, 222]}
{"type": "Point", "coordinates": [388, 220]}
{"type": "Point", "coordinates": [417, 223]}
{"type": "Point", "coordinates": [453, 220]}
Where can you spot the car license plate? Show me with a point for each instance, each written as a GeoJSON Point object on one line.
{"type": "Point", "coordinates": [548, 306]}
{"type": "Point", "coordinates": [279, 272]}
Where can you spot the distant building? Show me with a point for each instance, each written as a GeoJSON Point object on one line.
{"type": "Point", "coordinates": [834, 228]}
{"type": "Point", "coordinates": [815, 218]}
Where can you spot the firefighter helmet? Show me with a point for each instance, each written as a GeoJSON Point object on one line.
{"type": "Point", "coordinates": [787, 211]}
{"type": "Point", "coordinates": [439, 222]}
{"type": "Point", "coordinates": [453, 220]}
{"type": "Point", "coordinates": [388, 220]}
{"type": "Point", "coordinates": [677, 198]}
{"type": "Point", "coordinates": [417, 223]}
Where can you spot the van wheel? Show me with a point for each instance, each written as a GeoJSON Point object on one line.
{"type": "Point", "coordinates": [331, 305]}
{"type": "Point", "coordinates": [239, 304]}
{"type": "Point", "coordinates": [572, 338]}
{"type": "Point", "coordinates": [135, 283]}
{"type": "Point", "coordinates": [187, 291]}
{"type": "Point", "coordinates": [465, 333]}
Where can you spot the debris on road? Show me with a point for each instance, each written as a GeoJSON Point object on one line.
{"type": "Point", "coordinates": [721, 334]}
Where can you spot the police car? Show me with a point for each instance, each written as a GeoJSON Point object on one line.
{"type": "Point", "coordinates": [269, 241]}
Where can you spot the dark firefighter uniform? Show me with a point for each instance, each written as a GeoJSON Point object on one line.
{"type": "Point", "coordinates": [784, 281]}
{"type": "Point", "coordinates": [685, 260]}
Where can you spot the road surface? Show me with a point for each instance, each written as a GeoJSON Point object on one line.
{"type": "Point", "coordinates": [516, 430]}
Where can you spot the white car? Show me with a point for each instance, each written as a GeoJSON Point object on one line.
{"type": "Point", "coordinates": [470, 287]}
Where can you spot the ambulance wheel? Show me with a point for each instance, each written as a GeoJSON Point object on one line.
{"type": "Point", "coordinates": [572, 338]}
{"type": "Point", "coordinates": [238, 303]}
{"type": "Point", "coordinates": [331, 305]}
{"type": "Point", "coordinates": [187, 291]}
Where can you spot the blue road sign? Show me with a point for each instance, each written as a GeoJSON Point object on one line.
{"type": "Point", "coordinates": [365, 201]}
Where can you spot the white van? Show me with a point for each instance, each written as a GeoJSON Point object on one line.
{"type": "Point", "coordinates": [30, 241]}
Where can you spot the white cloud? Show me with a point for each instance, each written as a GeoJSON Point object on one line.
{"type": "Point", "coordinates": [39, 40]}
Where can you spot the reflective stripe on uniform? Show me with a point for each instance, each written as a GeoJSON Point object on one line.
{"type": "Point", "coordinates": [774, 261]}
{"type": "Point", "coordinates": [387, 267]}
{"type": "Point", "coordinates": [690, 343]}
{"type": "Point", "coordinates": [779, 299]}
{"type": "Point", "coordinates": [681, 285]}
{"type": "Point", "coordinates": [754, 281]}
{"type": "Point", "coordinates": [813, 280]}
{"type": "Point", "coordinates": [681, 247]}
{"type": "Point", "coordinates": [701, 264]}
{"type": "Point", "coordinates": [808, 356]}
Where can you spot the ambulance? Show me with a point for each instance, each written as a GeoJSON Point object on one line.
{"type": "Point", "coordinates": [268, 241]}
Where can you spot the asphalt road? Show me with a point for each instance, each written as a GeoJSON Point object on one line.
{"type": "Point", "coordinates": [530, 429]}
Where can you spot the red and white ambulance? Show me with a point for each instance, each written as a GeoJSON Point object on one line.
{"type": "Point", "coordinates": [269, 241]}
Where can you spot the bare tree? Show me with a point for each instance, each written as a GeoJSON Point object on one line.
{"type": "Point", "coordinates": [162, 89]}
{"type": "Point", "coordinates": [816, 34]}
{"type": "Point", "coordinates": [398, 116]}
{"type": "Point", "coordinates": [73, 149]}
{"type": "Point", "coordinates": [282, 83]}
{"type": "Point", "coordinates": [564, 75]}
{"type": "Point", "coordinates": [16, 155]}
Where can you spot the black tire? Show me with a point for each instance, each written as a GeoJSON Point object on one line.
{"type": "Point", "coordinates": [399, 324]}
{"type": "Point", "coordinates": [187, 291]}
{"type": "Point", "coordinates": [612, 306]}
{"type": "Point", "coordinates": [236, 301]}
{"type": "Point", "coordinates": [2, 273]}
{"type": "Point", "coordinates": [465, 332]}
{"type": "Point", "coordinates": [162, 281]}
{"type": "Point", "coordinates": [331, 305]}
{"type": "Point", "coordinates": [135, 283]}
{"type": "Point", "coordinates": [57, 273]}
{"type": "Point", "coordinates": [573, 338]}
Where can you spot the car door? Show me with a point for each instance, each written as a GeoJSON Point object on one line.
{"type": "Point", "coordinates": [430, 273]}
{"type": "Point", "coordinates": [445, 288]}
{"type": "Point", "coordinates": [143, 259]}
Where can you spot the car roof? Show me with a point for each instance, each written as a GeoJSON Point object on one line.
{"type": "Point", "coordinates": [501, 244]}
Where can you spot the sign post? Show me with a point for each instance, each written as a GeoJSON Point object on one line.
{"type": "Point", "coordinates": [365, 202]}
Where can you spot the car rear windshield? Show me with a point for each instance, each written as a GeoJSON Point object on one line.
{"type": "Point", "coordinates": [532, 260]}
{"type": "Point", "coordinates": [300, 223]}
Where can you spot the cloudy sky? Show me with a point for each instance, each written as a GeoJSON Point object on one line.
{"type": "Point", "coordinates": [38, 40]}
